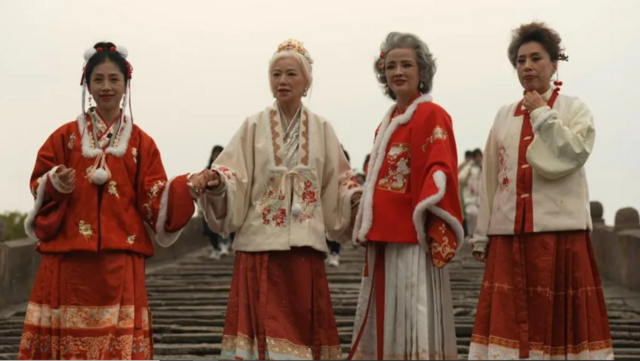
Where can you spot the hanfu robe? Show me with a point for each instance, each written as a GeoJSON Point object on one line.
{"type": "Point", "coordinates": [411, 221]}
{"type": "Point", "coordinates": [89, 299]}
{"type": "Point", "coordinates": [287, 187]}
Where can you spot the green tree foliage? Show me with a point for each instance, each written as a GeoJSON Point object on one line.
{"type": "Point", "coordinates": [14, 222]}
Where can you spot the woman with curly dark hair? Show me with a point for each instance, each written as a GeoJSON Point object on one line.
{"type": "Point", "coordinates": [541, 296]}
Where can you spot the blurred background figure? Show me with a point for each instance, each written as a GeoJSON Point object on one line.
{"type": "Point", "coordinates": [221, 247]}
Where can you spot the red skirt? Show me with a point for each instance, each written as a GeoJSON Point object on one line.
{"type": "Point", "coordinates": [88, 306]}
{"type": "Point", "coordinates": [280, 308]}
{"type": "Point", "coordinates": [541, 298]}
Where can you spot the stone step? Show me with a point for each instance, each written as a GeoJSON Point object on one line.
{"type": "Point", "coordinates": [8, 356]}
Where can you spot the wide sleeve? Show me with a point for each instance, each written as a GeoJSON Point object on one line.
{"type": "Point", "coordinates": [488, 185]}
{"type": "Point", "coordinates": [561, 146]}
{"type": "Point", "coordinates": [338, 187]}
{"type": "Point", "coordinates": [50, 200]}
{"type": "Point", "coordinates": [167, 206]}
{"type": "Point", "coordinates": [226, 207]}
{"type": "Point", "coordinates": [434, 179]}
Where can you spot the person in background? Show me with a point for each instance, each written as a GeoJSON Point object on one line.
{"type": "Point", "coordinates": [470, 179]}
{"type": "Point", "coordinates": [365, 167]}
{"type": "Point", "coordinates": [361, 179]}
{"type": "Point", "coordinates": [220, 246]}
{"type": "Point", "coordinates": [333, 258]}
{"type": "Point", "coordinates": [468, 155]}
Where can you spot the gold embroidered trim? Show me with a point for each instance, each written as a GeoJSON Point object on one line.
{"type": "Point", "coordinates": [153, 194]}
{"type": "Point", "coordinates": [131, 239]}
{"type": "Point", "coordinates": [274, 137]}
{"type": "Point", "coordinates": [305, 136]}
{"type": "Point", "coordinates": [134, 152]}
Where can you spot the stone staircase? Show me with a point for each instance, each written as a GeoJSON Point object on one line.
{"type": "Point", "coordinates": [188, 299]}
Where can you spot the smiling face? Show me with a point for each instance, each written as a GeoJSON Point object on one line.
{"type": "Point", "coordinates": [535, 67]}
{"type": "Point", "coordinates": [402, 72]}
{"type": "Point", "coordinates": [287, 80]}
{"type": "Point", "coordinates": [107, 85]}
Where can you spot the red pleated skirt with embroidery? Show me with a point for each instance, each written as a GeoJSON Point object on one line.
{"type": "Point", "coordinates": [541, 298]}
{"type": "Point", "coordinates": [88, 306]}
{"type": "Point", "coordinates": [280, 308]}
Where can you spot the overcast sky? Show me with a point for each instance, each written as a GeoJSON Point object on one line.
{"type": "Point", "coordinates": [200, 68]}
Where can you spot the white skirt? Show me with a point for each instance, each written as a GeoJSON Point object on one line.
{"type": "Point", "coordinates": [418, 311]}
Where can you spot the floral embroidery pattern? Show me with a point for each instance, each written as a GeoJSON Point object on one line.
{"type": "Point", "coordinates": [398, 159]}
{"type": "Point", "coordinates": [112, 188]}
{"type": "Point", "coordinates": [441, 251]}
{"type": "Point", "coordinates": [152, 194]}
{"type": "Point", "coordinates": [71, 141]}
{"type": "Point", "coordinates": [226, 172]}
{"type": "Point", "coordinates": [273, 211]}
{"type": "Point", "coordinates": [134, 153]}
{"type": "Point", "coordinates": [131, 239]}
{"type": "Point", "coordinates": [503, 157]}
{"type": "Point", "coordinates": [309, 197]}
{"type": "Point", "coordinates": [349, 182]}
{"type": "Point", "coordinates": [438, 134]}
{"type": "Point", "coordinates": [85, 230]}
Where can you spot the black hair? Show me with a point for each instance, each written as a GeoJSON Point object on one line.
{"type": "Point", "coordinates": [468, 154]}
{"type": "Point", "coordinates": [366, 161]}
{"type": "Point", "coordinates": [477, 152]}
{"type": "Point", "coordinates": [217, 148]}
{"type": "Point", "coordinates": [108, 53]}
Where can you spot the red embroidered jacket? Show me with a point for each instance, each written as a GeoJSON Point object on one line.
{"type": "Point", "coordinates": [412, 192]}
{"type": "Point", "coordinates": [110, 216]}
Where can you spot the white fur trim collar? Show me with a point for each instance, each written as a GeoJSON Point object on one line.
{"type": "Point", "coordinates": [118, 151]}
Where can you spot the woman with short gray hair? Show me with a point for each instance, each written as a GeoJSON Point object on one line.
{"type": "Point", "coordinates": [410, 218]}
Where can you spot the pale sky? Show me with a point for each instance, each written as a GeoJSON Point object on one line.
{"type": "Point", "coordinates": [200, 68]}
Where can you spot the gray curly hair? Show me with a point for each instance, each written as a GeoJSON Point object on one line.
{"type": "Point", "coordinates": [426, 62]}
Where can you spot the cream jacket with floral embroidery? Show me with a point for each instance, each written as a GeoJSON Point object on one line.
{"type": "Point", "coordinates": [533, 174]}
{"type": "Point", "coordinates": [272, 207]}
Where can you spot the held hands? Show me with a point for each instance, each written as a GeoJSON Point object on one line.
{"type": "Point", "coordinates": [207, 179]}
{"type": "Point", "coordinates": [67, 179]}
{"type": "Point", "coordinates": [533, 100]}
{"type": "Point", "coordinates": [480, 256]}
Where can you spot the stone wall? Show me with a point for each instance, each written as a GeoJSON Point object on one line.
{"type": "Point", "coordinates": [617, 248]}
{"type": "Point", "coordinates": [19, 261]}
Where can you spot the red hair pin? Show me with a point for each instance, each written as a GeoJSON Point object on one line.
{"type": "Point", "coordinates": [113, 48]}
{"type": "Point", "coordinates": [99, 49]}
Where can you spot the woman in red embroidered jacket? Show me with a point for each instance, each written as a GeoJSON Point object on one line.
{"type": "Point", "coordinates": [96, 181]}
{"type": "Point", "coordinates": [410, 216]}
{"type": "Point", "coordinates": [541, 296]}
